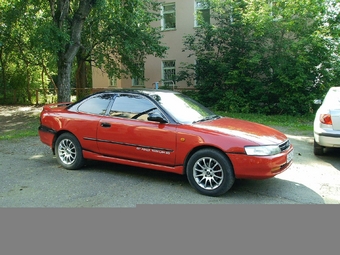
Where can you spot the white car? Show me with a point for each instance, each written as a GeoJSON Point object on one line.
{"type": "Point", "coordinates": [327, 122]}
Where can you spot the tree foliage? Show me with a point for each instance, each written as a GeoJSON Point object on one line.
{"type": "Point", "coordinates": [45, 37]}
{"type": "Point", "coordinates": [24, 63]}
{"type": "Point", "coordinates": [119, 36]}
{"type": "Point", "coordinates": [262, 56]}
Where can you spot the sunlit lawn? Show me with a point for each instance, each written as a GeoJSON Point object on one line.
{"type": "Point", "coordinates": [294, 123]}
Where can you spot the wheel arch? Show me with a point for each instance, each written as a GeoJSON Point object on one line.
{"type": "Point", "coordinates": [59, 133]}
{"type": "Point", "coordinates": [194, 150]}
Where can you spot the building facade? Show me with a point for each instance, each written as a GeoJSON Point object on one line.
{"type": "Point", "coordinates": [179, 18]}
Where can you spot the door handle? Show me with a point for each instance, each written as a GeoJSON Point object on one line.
{"type": "Point", "coordinates": [105, 125]}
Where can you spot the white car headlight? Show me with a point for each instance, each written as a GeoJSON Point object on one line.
{"type": "Point", "coordinates": [265, 150]}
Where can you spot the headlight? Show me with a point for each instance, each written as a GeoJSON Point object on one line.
{"type": "Point", "coordinates": [265, 150]}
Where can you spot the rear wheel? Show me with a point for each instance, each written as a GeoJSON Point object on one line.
{"type": "Point", "coordinates": [69, 152]}
{"type": "Point", "coordinates": [210, 172]}
{"type": "Point", "coordinates": [318, 149]}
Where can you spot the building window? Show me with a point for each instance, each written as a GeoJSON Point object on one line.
{"type": "Point", "coordinates": [169, 16]}
{"type": "Point", "coordinates": [113, 81]}
{"type": "Point", "coordinates": [202, 13]}
{"type": "Point", "coordinates": [169, 72]}
{"type": "Point", "coordinates": [139, 80]}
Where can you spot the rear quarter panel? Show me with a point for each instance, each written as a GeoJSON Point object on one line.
{"type": "Point", "coordinates": [83, 126]}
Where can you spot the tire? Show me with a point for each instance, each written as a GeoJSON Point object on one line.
{"type": "Point", "coordinates": [210, 172]}
{"type": "Point", "coordinates": [69, 152]}
{"type": "Point", "coordinates": [318, 149]}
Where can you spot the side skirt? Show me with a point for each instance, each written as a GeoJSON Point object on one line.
{"type": "Point", "coordinates": [94, 156]}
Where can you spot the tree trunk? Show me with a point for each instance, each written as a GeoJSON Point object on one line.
{"type": "Point", "coordinates": [3, 74]}
{"type": "Point", "coordinates": [60, 15]}
{"type": "Point", "coordinates": [28, 85]}
{"type": "Point", "coordinates": [81, 74]}
{"type": "Point", "coordinates": [64, 80]}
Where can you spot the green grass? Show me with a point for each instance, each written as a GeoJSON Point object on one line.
{"type": "Point", "coordinates": [291, 123]}
{"type": "Point", "coordinates": [29, 129]}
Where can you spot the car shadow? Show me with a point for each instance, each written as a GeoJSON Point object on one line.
{"type": "Point", "coordinates": [303, 145]}
{"type": "Point", "coordinates": [284, 191]}
{"type": "Point", "coordinates": [130, 171]}
{"type": "Point", "coordinates": [331, 156]}
{"type": "Point", "coordinates": [269, 191]}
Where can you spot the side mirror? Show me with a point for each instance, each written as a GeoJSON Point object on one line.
{"type": "Point", "coordinates": [156, 116]}
{"type": "Point", "coordinates": [317, 101]}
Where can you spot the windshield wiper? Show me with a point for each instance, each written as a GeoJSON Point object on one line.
{"type": "Point", "coordinates": [211, 117]}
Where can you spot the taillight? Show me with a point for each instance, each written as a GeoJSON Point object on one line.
{"type": "Point", "coordinates": [326, 119]}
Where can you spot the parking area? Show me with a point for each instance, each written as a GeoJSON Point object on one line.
{"type": "Point", "coordinates": [31, 177]}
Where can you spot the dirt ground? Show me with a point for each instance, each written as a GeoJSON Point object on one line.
{"type": "Point", "coordinates": [16, 117]}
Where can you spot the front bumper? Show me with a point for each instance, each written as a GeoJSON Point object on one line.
{"type": "Point", "coordinates": [261, 167]}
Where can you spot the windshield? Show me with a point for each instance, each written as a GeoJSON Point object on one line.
{"type": "Point", "coordinates": [182, 108]}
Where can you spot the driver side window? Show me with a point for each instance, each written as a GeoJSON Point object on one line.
{"type": "Point", "coordinates": [132, 107]}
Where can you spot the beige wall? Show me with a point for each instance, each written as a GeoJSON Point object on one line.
{"type": "Point", "coordinates": [173, 39]}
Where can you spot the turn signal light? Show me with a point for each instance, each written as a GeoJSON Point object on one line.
{"type": "Point", "coordinates": [326, 119]}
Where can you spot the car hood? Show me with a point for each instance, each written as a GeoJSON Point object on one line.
{"type": "Point", "coordinates": [251, 131]}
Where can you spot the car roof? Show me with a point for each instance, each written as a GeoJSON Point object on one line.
{"type": "Point", "coordinates": [144, 91]}
{"type": "Point", "coordinates": [335, 89]}
{"type": "Point", "coordinates": [137, 91]}
{"type": "Point", "coordinates": [332, 97]}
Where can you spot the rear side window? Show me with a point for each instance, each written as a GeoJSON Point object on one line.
{"type": "Point", "coordinates": [96, 105]}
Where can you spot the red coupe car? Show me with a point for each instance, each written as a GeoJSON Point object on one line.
{"type": "Point", "coordinates": [167, 131]}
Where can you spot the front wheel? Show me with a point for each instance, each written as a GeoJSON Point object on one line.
{"type": "Point", "coordinates": [210, 172]}
{"type": "Point", "coordinates": [69, 152]}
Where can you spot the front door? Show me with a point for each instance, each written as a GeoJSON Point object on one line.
{"type": "Point", "coordinates": [127, 133]}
